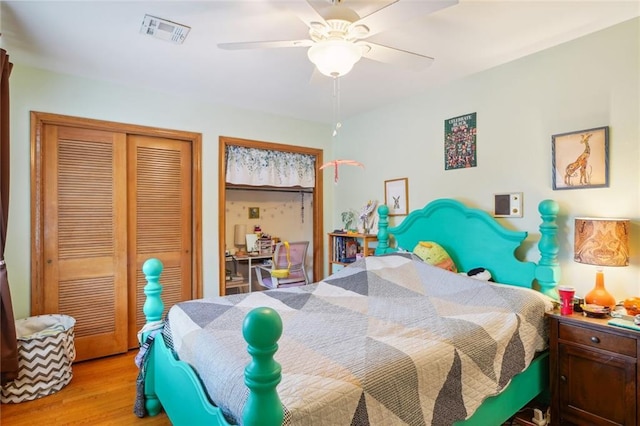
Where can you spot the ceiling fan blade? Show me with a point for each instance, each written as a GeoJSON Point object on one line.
{"type": "Point", "coordinates": [307, 13]}
{"type": "Point", "coordinates": [391, 55]}
{"type": "Point", "coordinates": [265, 44]}
{"type": "Point", "coordinates": [397, 12]}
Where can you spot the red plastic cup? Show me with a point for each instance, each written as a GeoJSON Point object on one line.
{"type": "Point", "coordinates": [566, 299]}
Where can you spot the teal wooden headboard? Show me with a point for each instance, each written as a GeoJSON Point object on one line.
{"type": "Point", "coordinates": [475, 239]}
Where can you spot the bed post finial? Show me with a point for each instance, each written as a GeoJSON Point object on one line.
{"type": "Point", "coordinates": [153, 305]}
{"type": "Point", "coordinates": [548, 270]}
{"type": "Point", "coordinates": [261, 329]}
{"type": "Point", "coordinates": [383, 230]}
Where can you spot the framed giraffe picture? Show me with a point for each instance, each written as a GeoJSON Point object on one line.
{"type": "Point", "coordinates": [581, 159]}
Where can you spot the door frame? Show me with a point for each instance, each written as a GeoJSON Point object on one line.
{"type": "Point", "coordinates": [38, 121]}
{"type": "Point", "coordinates": [317, 209]}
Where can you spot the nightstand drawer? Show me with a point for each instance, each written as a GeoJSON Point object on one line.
{"type": "Point", "coordinates": [598, 339]}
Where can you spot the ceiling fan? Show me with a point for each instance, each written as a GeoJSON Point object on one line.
{"type": "Point", "coordinates": [338, 33]}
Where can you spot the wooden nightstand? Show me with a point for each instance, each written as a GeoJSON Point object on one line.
{"type": "Point", "coordinates": [595, 374]}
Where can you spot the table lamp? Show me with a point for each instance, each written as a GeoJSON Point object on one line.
{"type": "Point", "coordinates": [239, 237]}
{"type": "Point", "coordinates": [601, 242]}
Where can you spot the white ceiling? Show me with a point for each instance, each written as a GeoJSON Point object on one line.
{"type": "Point", "coordinates": [101, 40]}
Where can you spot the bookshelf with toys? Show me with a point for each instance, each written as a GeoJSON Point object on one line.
{"type": "Point", "coordinates": [346, 247]}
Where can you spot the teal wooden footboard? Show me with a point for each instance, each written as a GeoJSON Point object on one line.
{"type": "Point", "coordinates": [174, 382]}
{"type": "Point", "coordinates": [173, 385]}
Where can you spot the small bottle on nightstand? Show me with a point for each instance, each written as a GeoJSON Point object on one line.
{"type": "Point", "coordinates": [577, 304]}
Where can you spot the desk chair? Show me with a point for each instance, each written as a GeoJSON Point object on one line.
{"type": "Point", "coordinates": [297, 273]}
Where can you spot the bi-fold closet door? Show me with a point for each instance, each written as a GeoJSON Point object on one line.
{"type": "Point", "coordinates": [111, 200]}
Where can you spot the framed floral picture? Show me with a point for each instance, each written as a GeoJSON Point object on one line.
{"type": "Point", "coordinates": [580, 159]}
{"type": "Point", "coordinates": [396, 196]}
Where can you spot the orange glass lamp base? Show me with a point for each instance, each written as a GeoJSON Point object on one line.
{"type": "Point", "coordinates": [599, 295]}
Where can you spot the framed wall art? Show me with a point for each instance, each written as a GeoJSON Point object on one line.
{"type": "Point", "coordinates": [396, 196]}
{"type": "Point", "coordinates": [254, 212]}
{"type": "Point", "coordinates": [580, 159]}
{"type": "Point", "coordinates": [460, 142]}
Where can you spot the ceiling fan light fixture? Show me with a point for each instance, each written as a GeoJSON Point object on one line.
{"type": "Point", "coordinates": [334, 58]}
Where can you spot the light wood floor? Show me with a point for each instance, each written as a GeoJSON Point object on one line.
{"type": "Point", "coordinates": [102, 392]}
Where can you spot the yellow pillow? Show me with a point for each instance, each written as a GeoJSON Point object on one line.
{"type": "Point", "coordinates": [433, 254]}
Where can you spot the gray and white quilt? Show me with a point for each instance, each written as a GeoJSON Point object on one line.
{"type": "Point", "coordinates": [388, 340]}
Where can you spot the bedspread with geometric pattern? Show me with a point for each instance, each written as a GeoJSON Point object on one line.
{"type": "Point", "coordinates": [388, 340]}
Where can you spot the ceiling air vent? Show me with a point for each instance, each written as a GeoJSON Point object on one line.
{"type": "Point", "coordinates": [164, 30]}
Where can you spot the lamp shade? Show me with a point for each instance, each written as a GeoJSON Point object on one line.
{"type": "Point", "coordinates": [239, 234]}
{"type": "Point", "coordinates": [334, 58]}
{"type": "Point", "coordinates": [602, 241]}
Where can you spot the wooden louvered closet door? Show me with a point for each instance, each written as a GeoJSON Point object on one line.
{"type": "Point", "coordinates": [111, 201]}
{"type": "Point", "coordinates": [85, 235]}
{"type": "Point", "coordinates": [159, 220]}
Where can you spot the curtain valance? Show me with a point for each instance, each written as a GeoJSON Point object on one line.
{"type": "Point", "coordinates": [263, 167]}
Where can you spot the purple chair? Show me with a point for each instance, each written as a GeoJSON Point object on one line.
{"type": "Point", "coordinates": [297, 273]}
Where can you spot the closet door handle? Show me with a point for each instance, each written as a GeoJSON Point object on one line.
{"type": "Point", "coordinates": [563, 378]}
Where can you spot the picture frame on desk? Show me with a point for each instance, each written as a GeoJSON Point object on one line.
{"type": "Point", "coordinates": [252, 243]}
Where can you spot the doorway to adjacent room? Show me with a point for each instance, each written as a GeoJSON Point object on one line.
{"type": "Point", "coordinates": [313, 195]}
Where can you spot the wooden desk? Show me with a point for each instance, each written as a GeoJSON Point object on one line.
{"type": "Point", "coordinates": [250, 260]}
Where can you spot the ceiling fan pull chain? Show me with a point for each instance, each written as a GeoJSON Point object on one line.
{"type": "Point", "coordinates": [336, 106]}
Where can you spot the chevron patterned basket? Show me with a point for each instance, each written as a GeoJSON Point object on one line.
{"type": "Point", "coordinates": [45, 353]}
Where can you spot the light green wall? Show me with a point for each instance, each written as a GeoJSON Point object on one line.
{"type": "Point", "coordinates": [37, 90]}
{"type": "Point", "coordinates": [586, 83]}
{"type": "Point", "coordinates": [590, 82]}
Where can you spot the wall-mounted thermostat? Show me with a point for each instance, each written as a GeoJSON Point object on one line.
{"type": "Point", "coordinates": [508, 205]}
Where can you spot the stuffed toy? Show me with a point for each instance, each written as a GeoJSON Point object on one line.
{"type": "Point", "coordinates": [434, 254]}
{"type": "Point", "coordinates": [479, 274]}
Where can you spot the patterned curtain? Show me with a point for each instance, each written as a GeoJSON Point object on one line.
{"type": "Point", "coordinates": [9, 352]}
{"type": "Point", "coordinates": [262, 167]}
